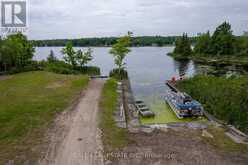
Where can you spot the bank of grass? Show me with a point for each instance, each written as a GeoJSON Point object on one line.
{"type": "Point", "coordinates": [28, 104]}
{"type": "Point", "coordinates": [113, 137]}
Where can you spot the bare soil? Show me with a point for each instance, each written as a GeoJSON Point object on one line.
{"type": "Point", "coordinates": [76, 139]}
{"type": "Point", "coordinates": [184, 147]}
{"type": "Point", "coordinates": [5, 77]}
{"type": "Point", "coordinates": [55, 85]}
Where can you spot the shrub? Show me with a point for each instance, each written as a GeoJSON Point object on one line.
{"type": "Point", "coordinates": [119, 74]}
{"type": "Point", "coordinates": [91, 70]}
{"type": "Point", "coordinates": [31, 66]}
{"type": "Point", "coordinates": [61, 67]}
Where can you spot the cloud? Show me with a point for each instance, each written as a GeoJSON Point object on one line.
{"type": "Point", "coordinates": [92, 18]}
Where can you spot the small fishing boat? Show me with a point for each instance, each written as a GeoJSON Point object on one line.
{"type": "Point", "coordinates": [143, 110]}
{"type": "Point", "coordinates": [182, 104]}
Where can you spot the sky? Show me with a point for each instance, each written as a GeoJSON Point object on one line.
{"type": "Point", "coordinates": [57, 19]}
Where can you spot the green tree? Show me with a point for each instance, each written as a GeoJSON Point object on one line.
{"type": "Point", "coordinates": [120, 50]}
{"type": "Point", "coordinates": [203, 44]}
{"type": "Point", "coordinates": [242, 46]}
{"type": "Point", "coordinates": [70, 54]}
{"type": "Point", "coordinates": [16, 51]}
{"type": "Point", "coordinates": [84, 57]}
{"type": "Point", "coordinates": [183, 46]}
{"type": "Point", "coordinates": [51, 58]}
{"type": "Point", "coordinates": [223, 41]}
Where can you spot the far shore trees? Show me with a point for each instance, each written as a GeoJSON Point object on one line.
{"type": "Point", "coordinates": [109, 41]}
{"type": "Point", "coordinates": [120, 50]}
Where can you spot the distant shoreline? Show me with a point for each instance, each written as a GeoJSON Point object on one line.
{"type": "Point", "coordinates": [107, 46]}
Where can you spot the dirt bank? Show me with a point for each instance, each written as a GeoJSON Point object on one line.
{"type": "Point", "coordinates": [184, 147]}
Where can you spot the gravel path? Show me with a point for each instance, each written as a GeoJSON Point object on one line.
{"type": "Point", "coordinates": [81, 144]}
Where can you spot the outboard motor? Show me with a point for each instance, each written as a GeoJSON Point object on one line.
{"type": "Point", "coordinates": [187, 98]}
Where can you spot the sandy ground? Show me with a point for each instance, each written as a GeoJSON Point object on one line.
{"type": "Point", "coordinates": [77, 139]}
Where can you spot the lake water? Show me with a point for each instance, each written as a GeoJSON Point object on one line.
{"type": "Point", "coordinates": [148, 67]}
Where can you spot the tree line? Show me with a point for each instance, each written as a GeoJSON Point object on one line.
{"type": "Point", "coordinates": [221, 43]}
{"type": "Point", "coordinates": [109, 41]}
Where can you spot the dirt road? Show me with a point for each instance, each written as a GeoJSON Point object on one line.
{"type": "Point", "coordinates": [81, 145]}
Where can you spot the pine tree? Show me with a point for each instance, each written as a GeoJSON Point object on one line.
{"type": "Point", "coordinates": [223, 41]}
{"type": "Point", "coordinates": [183, 46]}
{"type": "Point", "coordinates": [51, 58]}
{"type": "Point", "coordinates": [203, 44]}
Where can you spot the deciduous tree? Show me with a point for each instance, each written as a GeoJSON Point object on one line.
{"type": "Point", "coordinates": [70, 54]}
{"type": "Point", "coordinates": [120, 50]}
{"type": "Point", "coordinates": [84, 57]}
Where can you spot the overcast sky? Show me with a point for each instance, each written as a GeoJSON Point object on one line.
{"type": "Point", "coordinates": [49, 19]}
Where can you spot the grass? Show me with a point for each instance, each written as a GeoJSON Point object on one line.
{"type": "Point", "coordinates": [113, 137]}
{"type": "Point", "coordinates": [164, 115]}
{"type": "Point", "coordinates": [29, 102]}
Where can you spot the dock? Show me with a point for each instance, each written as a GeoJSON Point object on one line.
{"type": "Point", "coordinates": [171, 85]}
{"type": "Point", "coordinates": [99, 76]}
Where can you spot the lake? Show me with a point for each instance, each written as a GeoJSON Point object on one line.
{"type": "Point", "coordinates": [148, 68]}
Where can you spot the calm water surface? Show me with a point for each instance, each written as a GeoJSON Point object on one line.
{"type": "Point", "coordinates": [148, 68]}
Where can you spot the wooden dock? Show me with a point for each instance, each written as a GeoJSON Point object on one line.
{"type": "Point", "coordinates": [172, 86]}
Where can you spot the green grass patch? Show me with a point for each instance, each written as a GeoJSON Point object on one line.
{"type": "Point", "coordinates": [29, 102]}
{"type": "Point", "coordinates": [164, 115]}
{"type": "Point", "coordinates": [113, 137]}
